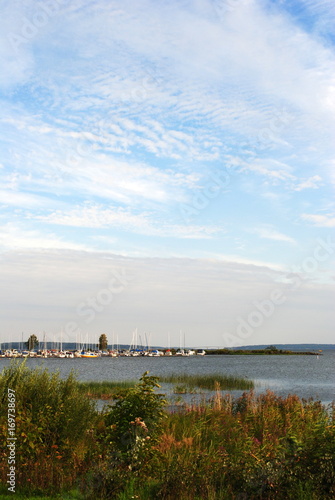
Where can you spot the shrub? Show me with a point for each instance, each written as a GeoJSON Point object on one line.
{"type": "Point", "coordinates": [136, 415]}
{"type": "Point", "coordinates": [132, 426]}
{"type": "Point", "coordinates": [54, 426]}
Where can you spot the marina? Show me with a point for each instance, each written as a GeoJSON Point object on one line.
{"type": "Point", "coordinates": [112, 353]}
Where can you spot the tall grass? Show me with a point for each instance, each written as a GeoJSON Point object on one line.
{"type": "Point", "coordinates": [105, 389]}
{"type": "Point", "coordinates": [54, 427]}
{"type": "Point", "coordinates": [210, 382]}
{"type": "Point", "coordinates": [259, 447]}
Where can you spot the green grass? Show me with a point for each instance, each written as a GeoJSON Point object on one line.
{"type": "Point", "coordinates": [211, 382]}
{"type": "Point", "coordinates": [105, 389]}
{"type": "Point", "coordinates": [71, 495]}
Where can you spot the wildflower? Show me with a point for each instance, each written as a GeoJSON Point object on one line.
{"type": "Point", "coordinates": [140, 423]}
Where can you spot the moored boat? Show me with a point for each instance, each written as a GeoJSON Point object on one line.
{"type": "Point", "coordinates": [89, 354]}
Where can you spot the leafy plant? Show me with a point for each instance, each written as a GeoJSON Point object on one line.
{"type": "Point", "coordinates": [136, 415]}
{"type": "Point", "coordinates": [132, 426]}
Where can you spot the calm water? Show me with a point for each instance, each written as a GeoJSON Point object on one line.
{"type": "Point", "coordinates": [306, 376]}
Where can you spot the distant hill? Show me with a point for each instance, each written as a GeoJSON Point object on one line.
{"type": "Point", "coordinates": [291, 347]}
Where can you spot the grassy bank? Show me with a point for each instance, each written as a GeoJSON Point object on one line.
{"type": "Point", "coordinates": [250, 447]}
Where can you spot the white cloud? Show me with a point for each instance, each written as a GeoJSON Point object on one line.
{"type": "Point", "coordinates": [311, 183]}
{"type": "Point", "coordinates": [269, 233]}
{"type": "Point", "coordinates": [270, 168]}
{"type": "Point", "coordinates": [319, 220]}
{"type": "Point", "coordinates": [62, 161]}
{"type": "Point", "coordinates": [237, 260]}
{"type": "Point", "coordinates": [13, 237]}
{"type": "Point", "coordinates": [19, 199]}
{"type": "Point", "coordinates": [125, 220]}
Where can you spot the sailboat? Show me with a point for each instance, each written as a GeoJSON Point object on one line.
{"type": "Point", "coordinates": [86, 353]}
{"type": "Point", "coordinates": [89, 354]}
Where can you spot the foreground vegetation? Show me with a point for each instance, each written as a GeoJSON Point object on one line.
{"type": "Point", "coordinates": [251, 447]}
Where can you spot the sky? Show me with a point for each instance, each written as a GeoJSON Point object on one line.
{"type": "Point", "coordinates": [167, 167]}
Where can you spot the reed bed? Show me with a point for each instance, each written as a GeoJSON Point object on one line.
{"type": "Point", "coordinates": [210, 381]}
{"type": "Point", "coordinates": [105, 389]}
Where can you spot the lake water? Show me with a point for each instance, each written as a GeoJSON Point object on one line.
{"type": "Point", "coordinates": [306, 376]}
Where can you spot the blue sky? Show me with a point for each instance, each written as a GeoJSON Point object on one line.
{"type": "Point", "coordinates": [187, 145]}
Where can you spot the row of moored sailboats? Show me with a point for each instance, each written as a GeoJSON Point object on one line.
{"type": "Point", "coordinates": [54, 353]}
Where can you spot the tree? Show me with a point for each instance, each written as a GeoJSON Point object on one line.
{"type": "Point", "coordinates": [103, 342]}
{"type": "Point", "coordinates": [32, 342]}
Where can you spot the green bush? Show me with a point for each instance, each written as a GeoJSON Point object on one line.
{"type": "Point", "coordinates": [136, 416]}
{"type": "Point", "coordinates": [54, 427]}
{"type": "Point", "coordinates": [132, 427]}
